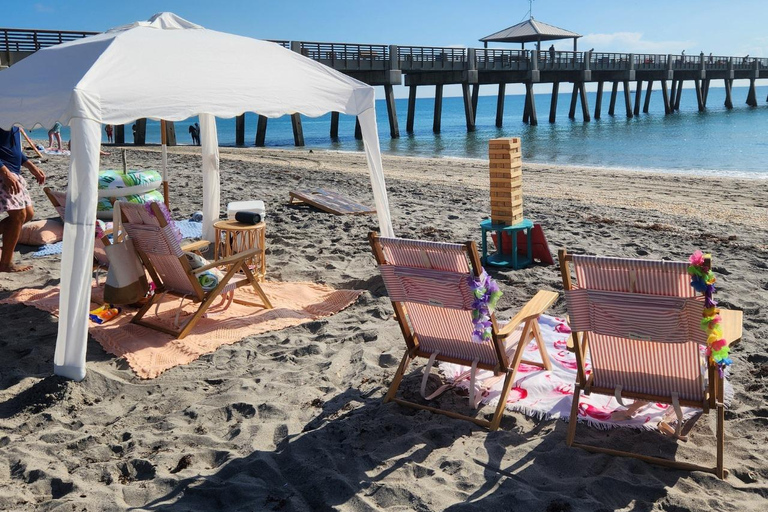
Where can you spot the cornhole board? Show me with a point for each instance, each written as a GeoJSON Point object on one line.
{"type": "Point", "coordinates": [541, 250]}
{"type": "Point", "coordinates": [329, 201]}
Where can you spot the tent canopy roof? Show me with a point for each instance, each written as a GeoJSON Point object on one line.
{"type": "Point", "coordinates": [529, 30]}
{"type": "Point", "coordinates": [169, 68]}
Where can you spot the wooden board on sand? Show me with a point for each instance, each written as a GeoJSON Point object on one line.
{"type": "Point", "coordinates": [329, 201]}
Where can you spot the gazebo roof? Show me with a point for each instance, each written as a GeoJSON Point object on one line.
{"type": "Point", "coordinates": [529, 30]}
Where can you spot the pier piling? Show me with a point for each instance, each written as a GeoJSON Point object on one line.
{"type": "Point", "coordinates": [553, 102]}
{"type": "Point", "coordinates": [140, 135]}
{"type": "Point", "coordinates": [298, 131]}
{"type": "Point", "coordinates": [500, 105]}
{"type": "Point", "coordinates": [728, 99]}
{"type": "Point", "coordinates": [673, 95]}
{"type": "Point", "coordinates": [358, 130]}
{"type": "Point", "coordinates": [334, 125]}
{"type": "Point", "coordinates": [614, 92]}
{"type": "Point", "coordinates": [468, 111]}
{"type": "Point", "coordinates": [572, 107]}
{"type": "Point", "coordinates": [411, 109]}
{"type": "Point", "coordinates": [699, 95]}
{"type": "Point", "coordinates": [648, 97]}
{"type": "Point", "coordinates": [240, 130]}
{"type": "Point", "coordinates": [584, 103]}
{"type": "Point", "coordinates": [627, 99]}
{"type": "Point", "coordinates": [120, 134]}
{"type": "Point", "coordinates": [394, 130]}
{"type": "Point", "coordinates": [665, 97]}
{"type": "Point", "coordinates": [599, 99]}
{"type": "Point", "coordinates": [438, 108]}
{"type": "Point", "coordinates": [475, 98]}
{"type": "Point", "coordinates": [752, 94]}
{"type": "Point", "coordinates": [261, 131]}
{"type": "Point", "coordinates": [638, 97]}
{"type": "Point", "coordinates": [529, 114]}
{"type": "Point", "coordinates": [679, 94]}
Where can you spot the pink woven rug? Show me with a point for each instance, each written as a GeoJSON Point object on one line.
{"type": "Point", "coordinates": [149, 353]}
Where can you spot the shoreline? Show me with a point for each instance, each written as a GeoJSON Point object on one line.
{"type": "Point", "coordinates": [706, 173]}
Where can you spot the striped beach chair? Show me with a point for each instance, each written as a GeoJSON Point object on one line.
{"type": "Point", "coordinates": [429, 284]}
{"type": "Point", "coordinates": [163, 257]}
{"type": "Point", "coordinates": [640, 322]}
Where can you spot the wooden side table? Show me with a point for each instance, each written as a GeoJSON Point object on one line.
{"type": "Point", "coordinates": [233, 237]}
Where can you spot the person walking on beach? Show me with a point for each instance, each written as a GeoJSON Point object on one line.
{"type": "Point", "coordinates": [108, 129]}
{"type": "Point", "coordinates": [14, 197]}
{"type": "Point", "coordinates": [55, 132]}
{"type": "Point", "coordinates": [197, 133]}
{"type": "Point", "coordinates": [194, 134]}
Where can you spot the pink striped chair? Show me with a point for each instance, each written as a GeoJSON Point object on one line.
{"type": "Point", "coordinates": [164, 259]}
{"type": "Point", "coordinates": [429, 285]}
{"type": "Point", "coordinates": [640, 322]}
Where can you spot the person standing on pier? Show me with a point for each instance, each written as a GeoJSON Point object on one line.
{"type": "Point", "coordinates": [108, 129]}
{"type": "Point", "coordinates": [552, 56]}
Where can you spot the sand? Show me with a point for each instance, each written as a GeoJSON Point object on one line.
{"type": "Point", "coordinates": [294, 420]}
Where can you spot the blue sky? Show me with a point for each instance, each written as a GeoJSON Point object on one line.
{"type": "Point", "coordinates": [736, 27]}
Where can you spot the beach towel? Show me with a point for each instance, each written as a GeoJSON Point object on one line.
{"type": "Point", "coordinates": [55, 152]}
{"type": "Point", "coordinates": [149, 353]}
{"type": "Point", "coordinates": [548, 394]}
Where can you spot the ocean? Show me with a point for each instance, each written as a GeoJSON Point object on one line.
{"type": "Point", "coordinates": [716, 142]}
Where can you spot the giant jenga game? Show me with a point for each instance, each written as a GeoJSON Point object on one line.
{"type": "Point", "coordinates": [506, 167]}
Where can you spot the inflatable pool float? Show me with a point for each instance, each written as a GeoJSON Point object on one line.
{"type": "Point", "coordinates": [134, 187]}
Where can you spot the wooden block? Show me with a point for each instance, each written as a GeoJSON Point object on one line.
{"type": "Point", "coordinates": [506, 142]}
{"type": "Point", "coordinates": [505, 164]}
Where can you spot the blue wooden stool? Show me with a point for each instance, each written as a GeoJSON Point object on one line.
{"type": "Point", "coordinates": [498, 258]}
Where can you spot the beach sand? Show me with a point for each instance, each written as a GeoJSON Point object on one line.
{"type": "Point", "coordinates": [294, 419]}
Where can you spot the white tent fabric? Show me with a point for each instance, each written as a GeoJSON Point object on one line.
{"type": "Point", "coordinates": [165, 68]}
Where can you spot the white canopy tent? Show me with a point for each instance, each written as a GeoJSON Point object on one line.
{"type": "Point", "coordinates": [165, 68]}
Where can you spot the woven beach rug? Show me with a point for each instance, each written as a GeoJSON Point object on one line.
{"type": "Point", "coordinates": [549, 394]}
{"type": "Point", "coordinates": [149, 353]}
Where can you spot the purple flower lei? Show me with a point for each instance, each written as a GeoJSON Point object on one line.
{"type": "Point", "coordinates": [486, 294]}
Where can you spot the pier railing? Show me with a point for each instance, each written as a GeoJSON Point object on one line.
{"type": "Point", "coordinates": [414, 59]}
{"type": "Point", "coordinates": [27, 40]}
{"type": "Point", "coordinates": [428, 58]}
{"type": "Point", "coordinates": [560, 61]}
{"type": "Point", "coordinates": [492, 59]}
{"type": "Point", "coordinates": [347, 57]}
{"type": "Point", "coordinates": [610, 61]}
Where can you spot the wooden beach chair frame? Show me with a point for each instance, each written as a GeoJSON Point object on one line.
{"type": "Point", "coordinates": [504, 365]}
{"type": "Point", "coordinates": [712, 395]}
{"type": "Point", "coordinates": [52, 197]}
{"type": "Point", "coordinates": [235, 263]}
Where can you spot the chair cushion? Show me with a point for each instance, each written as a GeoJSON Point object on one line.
{"type": "Point", "coordinates": [41, 232]}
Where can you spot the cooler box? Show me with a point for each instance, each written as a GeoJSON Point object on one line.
{"type": "Point", "coordinates": [245, 206]}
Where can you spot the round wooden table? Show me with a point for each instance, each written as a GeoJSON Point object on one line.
{"type": "Point", "coordinates": [233, 237]}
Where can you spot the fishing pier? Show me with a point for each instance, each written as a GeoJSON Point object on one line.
{"type": "Point", "coordinates": [422, 66]}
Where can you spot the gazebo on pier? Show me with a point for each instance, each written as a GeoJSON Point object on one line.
{"type": "Point", "coordinates": [529, 31]}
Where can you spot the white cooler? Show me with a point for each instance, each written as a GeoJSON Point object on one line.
{"type": "Point", "coordinates": [246, 206]}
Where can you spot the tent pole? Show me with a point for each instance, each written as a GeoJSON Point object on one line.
{"type": "Point", "coordinates": [164, 160]}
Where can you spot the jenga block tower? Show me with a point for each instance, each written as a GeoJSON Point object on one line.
{"type": "Point", "coordinates": [506, 168]}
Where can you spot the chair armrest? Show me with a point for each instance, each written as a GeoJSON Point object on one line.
{"type": "Point", "coordinates": [536, 306]}
{"type": "Point", "coordinates": [195, 246]}
{"type": "Point", "coordinates": [229, 260]}
{"type": "Point", "coordinates": [732, 324]}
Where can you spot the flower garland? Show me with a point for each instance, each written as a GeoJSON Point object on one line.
{"type": "Point", "coordinates": [486, 293]}
{"type": "Point", "coordinates": [703, 281]}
